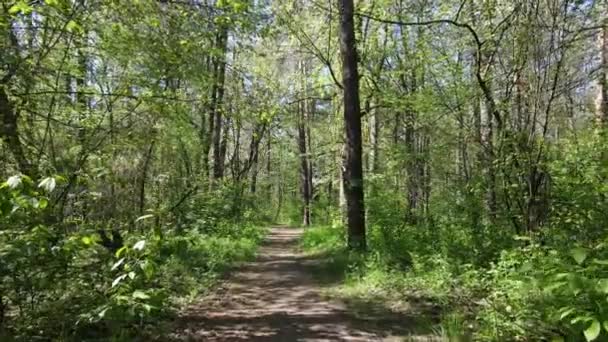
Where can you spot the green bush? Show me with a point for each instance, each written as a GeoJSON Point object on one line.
{"type": "Point", "coordinates": [70, 284]}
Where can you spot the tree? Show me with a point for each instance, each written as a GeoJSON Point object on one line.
{"type": "Point", "coordinates": [353, 161]}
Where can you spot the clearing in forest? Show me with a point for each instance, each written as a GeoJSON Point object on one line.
{"type": "Point", "coordinates": [277, 298]}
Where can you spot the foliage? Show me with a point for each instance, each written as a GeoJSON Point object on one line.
{"type": "Point", "coordinates": [71, 286]}
{"type": "Point", "coordinates": [179, 126]}
{"type": "Point", "coordinates": [535, 287]}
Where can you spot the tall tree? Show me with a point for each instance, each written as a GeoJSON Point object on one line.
{"type": "Point", "coordinates": [602, 110]}
{"type": "Point", "coordinates": [353, 162]}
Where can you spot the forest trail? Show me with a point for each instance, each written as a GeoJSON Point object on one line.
{"type": "Point", "coordinates": [276, 298]}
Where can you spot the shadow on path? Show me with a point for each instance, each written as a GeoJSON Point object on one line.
{"type": "Point", "coordinates": [276, 298]}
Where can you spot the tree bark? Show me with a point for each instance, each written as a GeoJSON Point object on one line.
{"type": "Point", "coordinates": [223, 149]}
{"type": "Point", "coordinates": [304, 149]}
{"type": "Point", "coordinates": [304, 166]}
{"type": "Point", "coordinates": [353, 166]}
{"type": "Point", "coordinates": [144, 176]}
{"type": "Point", "coordinates": [413, 181]}
{"type": "Point", "coordinates": [217, 98]}
{"type": "Point", "coordinates": [9, 133]}
{"type": "Point", "coordinates": [602, 105]}
{"type": "Point", "coordinates": [374, 137]}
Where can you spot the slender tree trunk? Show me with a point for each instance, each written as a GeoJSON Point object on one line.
{"type": "Point", "coordinates": [353, 166]}
{"type": "Point", "coordinates": [82, 100]}
{"type": "Point", "coordinates": [236, 157]}
{"type": "Point", "coordinates": [269, 165]}
{"type": "Point", "coordinates": [215, 125]}
{"type": "Point", "coordinates": [303, 115]}
{"type": "Point", "coordinates": [255, 161]}
{"type": "Point", "coordinates": [396, 135]}
{"type": "Point", "coordinates": [144, 176]}
{"type": "Point", "coordinates": [425, 169]}
{"type": "Point", "coordinates": [254, 175]}
{"type": "Point", "coordinates": [487, 162]}
{"type": "Point", "coordinates": [208, 120]}
{"type": "Point", "coordinates": [342, 196]}
{"type": "Point", "coordinates": [374, 126]}
{"type": "Point", "coordinates": [304, 165]}
{"type": "Point", "coordinates": [223, 149]}
{"type": "Point", "coordinates": [602, 101]}
{"type": "Point", "coordinates": [413, 179]}
{"type": "Point", "coordinates": [307, 118]}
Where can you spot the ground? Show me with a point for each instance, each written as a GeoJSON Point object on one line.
{"type": "Point", "coordinates": [277, 298]}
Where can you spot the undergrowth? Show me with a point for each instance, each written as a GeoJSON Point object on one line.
{"type": "Point", "coordinates": [530, 293]}
{"type": "Point", "coordinates": [58, 284]}
{"type": "Point", "coordinates": [133, 287]}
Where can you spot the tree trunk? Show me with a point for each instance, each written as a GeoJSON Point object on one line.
{"type": "Point", "coordinates": [254, 166]}
{"type": "Point", "coordinates": [353, 166]}
{"type": "Point", "coordinates": [374, 135]}
{"type": "Point", "coordinates": [413, 180]}
{"type": "Point", "coordinates": [268, 189]}
{"type": "Point", "coordinates": [304, 166]}
{"type": "Point", "coordinates": [9, 133]}
{"type": "Point", "coordinates": [215, 125]}
{"type": "Point", "coordinates": [487, 161]}
{"type": "Point", "coordinates": [236, 157]}
{"type": "Point", "coordinates": [143, 177]}
{"type": "Point", "coordinates": [602, 101]}
{"type": "Point", "coordinates": [223, 149]}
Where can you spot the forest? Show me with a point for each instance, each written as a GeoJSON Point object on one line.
{"type": "Point", "coordinates": [442, 162]}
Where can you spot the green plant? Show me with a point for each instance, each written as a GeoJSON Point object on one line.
{"type": "Point", "coordinates": [582, 279]}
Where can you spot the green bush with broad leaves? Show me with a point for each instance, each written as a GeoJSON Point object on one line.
{"type": "Point", "coordinates": [57, 282]}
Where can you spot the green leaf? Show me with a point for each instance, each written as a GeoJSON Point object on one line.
{"type": "Point", "coordinates": [144, 217]}
{"type": "Point", "coordinates": [139, 245]}
{"type": "Point", "coordinates": [138, 294]}
{"type": "Point", "coordinates": [579, 254]}
{"type": "Point", "coordinates": [117, 264]}
{"type": "Point", "coordinates": [605, 324]}
{"type": "Point", "coordinates": [118, 279]}
{"type": "Point", "coordinates": [593, 331]}
{"type": "Point", "coordinates": [555, 285]}
{"type": "Point", "coordinates": [14, 181]}
{"type": "Point", "coordinates": [102, 313]}
{"type": "Point", "coordinates": [148, 268]}
{"type": "Point", "coordinates": [73, 26]}
{"type": "Point", "coordinates": [20, 7]}
{"type": "Point", "coordinates": [567, 312]}
{"type": "Point", "coordinates": [526, 267]}
{"type": "Point", "coordinates": [48, 184]}
{"type": "Point", "coordinates": [87, 240]}
{"type": "Point", "coordinates": [602, 285]}
{"type": "Point", "coordinates": [120, 251]}
{"type": "Point", "coordinates": [43, 203]}
{"type": "Point", "coordinates": [600, 262]}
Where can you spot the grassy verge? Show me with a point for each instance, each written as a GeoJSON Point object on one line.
{"type": "Point", "coordinates": [527, 293]}
{"type": "Point", "coordinates": [395, 284]}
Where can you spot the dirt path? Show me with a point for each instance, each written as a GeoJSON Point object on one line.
{"type": "Point", "coordinates": [276, 298]}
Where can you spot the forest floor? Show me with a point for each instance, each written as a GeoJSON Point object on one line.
{"type": "Point", "coordinates": [278, 298]}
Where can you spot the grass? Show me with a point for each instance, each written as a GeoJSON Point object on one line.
{"type": "Point", "coordinates": [504, 300]}
{"type": "Point", "coordinates": [369, 282]}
